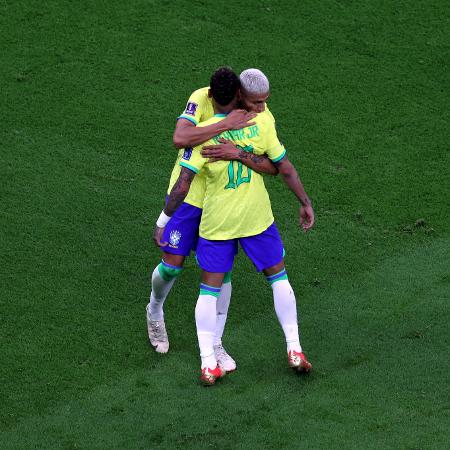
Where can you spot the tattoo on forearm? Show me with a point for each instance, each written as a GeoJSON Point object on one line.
{"type": "Point", "coordinates": [255, 158]}
{"type": "Point", "coordinates": [179, 191]}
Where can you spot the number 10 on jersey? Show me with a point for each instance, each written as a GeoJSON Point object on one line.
{"type": "Point", "coordinates": [235, 171]}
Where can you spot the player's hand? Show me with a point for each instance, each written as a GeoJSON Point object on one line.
{"type": "Point", "coordinates": [225, 151]}
{"type": "Point", "coordinates": [239, 118]}
{"type": "Point", "coordinates": [157, 237]}
{"type": "Point", "coordinates": [306, 217]}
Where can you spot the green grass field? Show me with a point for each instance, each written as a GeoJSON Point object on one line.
{"type": "Point", "coordinates": [89, 95]}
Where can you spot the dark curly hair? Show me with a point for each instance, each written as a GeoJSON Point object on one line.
{"type": "Point", "coordinates": [224, 85]}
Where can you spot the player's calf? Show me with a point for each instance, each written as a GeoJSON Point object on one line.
{"type": "Point", "coordinates": [286, 309]}
{"type": "Point", "coordinates": [163, 278]}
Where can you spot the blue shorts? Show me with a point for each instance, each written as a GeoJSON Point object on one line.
{"type": "Point", "coordinates": [264, 250]}
{"type": "Point", "coordinates": [181, 232]}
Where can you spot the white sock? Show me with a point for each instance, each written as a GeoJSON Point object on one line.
{"type": "Point", "coordinates": [205, 320]}
{"type": "Point", "coordinates": [286, 309]}
{"type": "Point", "coordinates": [160, 291]}
{"type": "Point", "coordinates": [223, 303]}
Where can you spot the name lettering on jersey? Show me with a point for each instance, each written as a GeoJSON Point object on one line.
{"type": "Point", "coordinates": [238, 135]}
{"type": "Point", "coordinates": [191, 107]}
{"type": "Point", "coordinates": [253, 131]}
{"type": "Point", "coordinates": [187, 153]}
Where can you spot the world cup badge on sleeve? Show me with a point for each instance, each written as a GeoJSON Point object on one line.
{"type": "Point", "coordinates": [191, 108]}
{"type": "Point", "coordinates": [187, 153]}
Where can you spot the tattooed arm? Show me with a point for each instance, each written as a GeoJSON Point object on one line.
{"type": "Point", "coordinates": [293, 182]}
{"type": "Point", "coordinates": [176, 198]}
{"type": "Point", "coordinates": [227, 151]}
{"type": "Point", "coordinates": [179, 191]}
{"type": "Point", "coordinates": [258, 163]}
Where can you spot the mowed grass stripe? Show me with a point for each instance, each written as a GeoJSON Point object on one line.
{"type": "Point", "coordinates": [374, 384]}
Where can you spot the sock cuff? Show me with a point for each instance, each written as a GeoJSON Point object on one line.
{"type": "Point", "coordinates": [205, 289]}
{"type": "Point", "coordinates": [169, 272]}
{"type": "Point", "coordinates": [277, 277]}
{"type": "Point", "coordinates": [227, 277]}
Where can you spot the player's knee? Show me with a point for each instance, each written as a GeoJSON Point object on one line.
{"type": "Point", "coordinates": [169, 272]}
{"type": "Point", "coordinates": [276, 268]}
{"type": "Point", "coordinates": [173, 260]}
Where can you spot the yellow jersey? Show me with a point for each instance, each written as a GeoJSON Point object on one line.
{"type": "Point", "coordinates": [236, 203]}
{"type": "Point", "coordinates": [199, 108]}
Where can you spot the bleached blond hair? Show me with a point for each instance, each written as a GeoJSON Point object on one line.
{"type": "Point", "coordinates": [253, 81]}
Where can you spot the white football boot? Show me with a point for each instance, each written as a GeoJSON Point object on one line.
{"type": "Point", "coordinates": [224, 360]}
{"type": "Point", "coordinates": [157, 334]}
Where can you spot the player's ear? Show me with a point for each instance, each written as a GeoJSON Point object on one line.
{"type": "Point", "coordinates": [239, 95]}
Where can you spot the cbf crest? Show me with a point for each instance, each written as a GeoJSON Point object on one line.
{"type": "Point", "coordinates": [174, 238]}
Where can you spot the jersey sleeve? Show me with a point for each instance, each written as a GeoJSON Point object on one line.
{"type": "Point", "coordinates": [274, 148]}
{"type": "Point", "coordinates": [192, 159]}
{"type": "Point", "coordinates": [195, 107]}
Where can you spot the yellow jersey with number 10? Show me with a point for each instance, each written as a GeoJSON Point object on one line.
{"type": "Point", "coordinates": [236, 203]}
{"type": "Point", "coordinates": [199, 108]}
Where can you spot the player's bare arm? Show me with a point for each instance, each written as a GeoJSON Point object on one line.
{"type": "Point", "coordinates": [227, 151]}
{"type": "Point", "coordinates": [292, 180]}
{"type": "Point", "coordinates": [176, 197]}
{"type": "Point", "coordinates": [179, 191]}
{"type": "Point", "coordinates": [187, 134]}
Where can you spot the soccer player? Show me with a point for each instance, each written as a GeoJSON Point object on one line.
{"type": "Point", "coordinates": [254, 93]}
{"type": "Point", "coordinates": [236, 209]}
{"type": "Point", "coordinates": [182, 234]}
